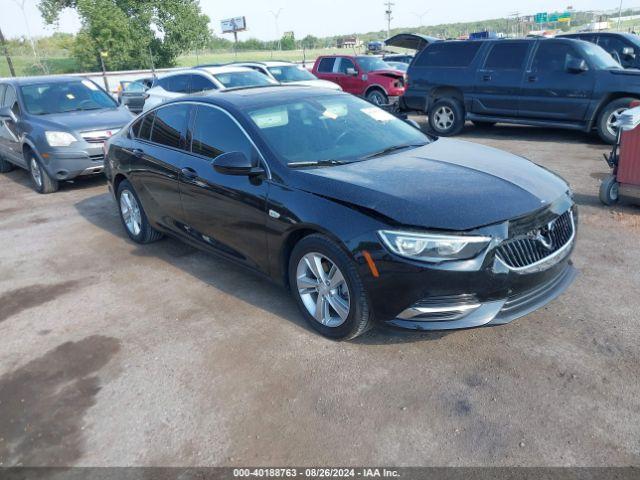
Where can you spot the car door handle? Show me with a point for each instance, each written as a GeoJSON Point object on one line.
{"type": "Point", "coordinates": [137, 152]}
{"type": "Point", "coordinates": [189, 173]}
{"type": "Point", "coordinates": [533, 78]}
{"type": "Point", "coordinates": [486, 77]}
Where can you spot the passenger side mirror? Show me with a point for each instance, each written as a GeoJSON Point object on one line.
{"type": "Point", "coordinates": [7, 115]}
{"type": "Point", "coordinates": [352, 71]}
{"type": "Point", "coordinates": [236, 163]}
{"type": "Point", "coordinates": [577, 65]}
{"type": "Point", "coordinates": [628, 52]}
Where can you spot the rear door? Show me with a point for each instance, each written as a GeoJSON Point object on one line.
{"type": "Point", "coordinates": [154, 160]}
{"type": "Point", "coordinates": [550, 90]}
{"type": "Point", "coordinates": [325, 69]}
{"type": "Point", "coordinates": [499, 80]}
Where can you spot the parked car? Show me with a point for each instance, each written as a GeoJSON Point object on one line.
{"type": "Point", "coordinates": [411, 41]}
{"type": "Point", "coordinates": [395, 58]}
{"type": "Point", "coordinates": [363, 75]}
{"type": "Point", "coordinates": [202, 79]}
{"type": "Point", "coordinates": [288, 73]}
{"type": "Point", "coordinates": [132, 94]}
{"type": "Point", "coordinates": [623, 47]}
{"type": "Point", "coordinates": [55, 127]}
{"type": "Point", "coordinates": [360, 214]}
{"type": "Point", "coordinates": [557, 82]}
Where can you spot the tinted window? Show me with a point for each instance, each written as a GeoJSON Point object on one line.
{"type": "Point", "coordinates": [345, 63]}
{"type": "Point", "coordinates": [326, 65]}
{"type": "Point", "coordinates": [177, 83]}
{"type": "Point", "coordinates": [169, 126]}
{"type": "Point", "coordinates": [250, 78]}
{"type": "Point", "coordinates": [145, 127]}
{"type": "Point", "coordinates": [552, 57]}
{"type": "Point", "coordinates": [200, 83]}
{"type": "Point", "coordinates": [507, 56]}
{"type": "Point", "coordinates": [135, 128]}
{"type": "Point", "coordinates": [215, 133]}
{"type": "Point", "coordinates": [455, 54]}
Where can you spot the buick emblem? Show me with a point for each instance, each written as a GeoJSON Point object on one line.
{"type": "Point", "coordinates": [543, 235]}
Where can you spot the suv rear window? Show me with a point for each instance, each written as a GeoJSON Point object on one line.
{"type": "Point", "coordinates": [507, 56]}
{"type": "Point", "coordinates": [454, 54]}
{"type": "Point", "coordinates": [326, 65]}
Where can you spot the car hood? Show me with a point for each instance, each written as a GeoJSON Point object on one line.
{"type": "Point", "coordinates": [317, 83]}
{"type": "Point", "coordinates": [87, 120]}
{"type": "Point", "coordinates": [386, 73]}
{"type": "Point", "coordinates": [446, 185]}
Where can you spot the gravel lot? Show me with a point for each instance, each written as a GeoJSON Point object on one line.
{"type": "Point", "coordinates": [116, 354]}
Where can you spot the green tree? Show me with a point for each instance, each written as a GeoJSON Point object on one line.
{"type": "Point", "coordinates": [288, 42]}
{"type": "Point", "coordinates": [132, 32]}
{"type": "Point", "coordinates": [310, 42]}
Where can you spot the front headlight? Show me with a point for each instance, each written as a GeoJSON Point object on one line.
{"type": "Point", "coordinates": [433, 247]}
{"type": "Point", "coordinates": [59, 139]}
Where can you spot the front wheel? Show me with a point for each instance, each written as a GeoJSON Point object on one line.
{"type": "Point", "coordinates": [377, 97]}
{"type": "Point", "coordinates": [609, 115]}
{"type": "Point", "coordinates": [446, 117]}
{"type": "Point", "coordinates": [327, 288]}
{"type": "Point", "coordinates": [609, 190]}
{"type": "Point", "coordinates": [42, 181]}
{"type": "Point", "coordinates": [133, 217]}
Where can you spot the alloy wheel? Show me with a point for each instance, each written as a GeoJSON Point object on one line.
{"type": "Point", "coordinates": [130, 211]}
{"type": "Point", "coordinates": [35, 172]}
{"type": "Point", "coordinates": [376, 98]}
{"type": "Point", "coordinates": [611, 121]}
{"type": "Point", "coordinates": [444, 118]}
{"type": "Point", "coordinates": [323, 289]}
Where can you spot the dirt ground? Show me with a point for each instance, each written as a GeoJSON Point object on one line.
{"type": "Point", "coordinates": [117, 354]}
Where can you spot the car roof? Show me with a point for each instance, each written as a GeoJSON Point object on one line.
{"type": "Point", "coordinates": [211, 70]}
{"type": "Point", "coordinates": [42, 79]}
{"type": "Point", "coordinates": [268, 63]}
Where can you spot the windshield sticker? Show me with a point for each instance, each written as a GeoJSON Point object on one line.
{"type": "Point", "coordinates": [70, 96]}
{"type": "Point", "coordinates": [377, 114]}
{"type": "Point", "coordinates": [89, 85]}
{"type": "Point", "coordinates": [274, 117]}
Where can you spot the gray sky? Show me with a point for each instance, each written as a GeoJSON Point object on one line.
{"type": "Point", "coordinates": [321, 17]}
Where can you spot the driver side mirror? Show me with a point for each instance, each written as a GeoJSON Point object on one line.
{"type": "Point", "coordinates": [7, 115]}
{"type": "Point", "coordinates": [577, 65]}
{"type": "Point", "coordinates": [628, 52]}
{"type": "Point", "coordinates": [236, 163]}
{"type": "Point", "coordinates": [352, 71]}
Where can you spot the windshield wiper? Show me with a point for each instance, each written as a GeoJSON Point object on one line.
{"type": "Point", "coordinates": [392, 149]}
{"type": "Point", "coordinates": [317, 163]}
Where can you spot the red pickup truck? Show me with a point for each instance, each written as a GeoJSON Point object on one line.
{"type": "Point", "coordinates": [363, 75]}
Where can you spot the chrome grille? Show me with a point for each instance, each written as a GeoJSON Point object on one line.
{"type": "Point", "coordinates": [98, 136]}
{"type": "Point", "coordinates": [539, 244]}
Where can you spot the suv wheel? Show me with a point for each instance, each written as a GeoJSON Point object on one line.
{"type": "Point", "coordinates": [42, 181]}
{"type": "Point", "coordinates": [377, 97]}
{"type": "Point", "coordinates": [608, 116]}
{"type": "Point", "coordinates": [446, 117]}
{"type": "Point", "coordinates": [327, 288]}
{"type": "Point", "coordinates": [5, 166]}
{"type": "Point", "coordinates": [132, 214]}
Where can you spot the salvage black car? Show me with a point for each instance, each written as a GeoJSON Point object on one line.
{"type": "Point", "coordinates": [364, 217]}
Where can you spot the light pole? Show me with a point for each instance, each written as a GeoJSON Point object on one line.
{"type": "Point", "coordinates": [420, 16]}
{"type": "Point", "coordinates": [276, 15]}
{"type": "Point", "coordinates": [619, 14]}
{"type": "Point", "coordinates": [387, 13]}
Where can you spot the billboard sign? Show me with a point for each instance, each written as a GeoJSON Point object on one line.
{"type": "Point", "coordinates": [541, 17]}
{"type": "Point", "coordinates": [235, 24]}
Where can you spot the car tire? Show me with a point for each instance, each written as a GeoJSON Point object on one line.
{"type": "Point", "coordinates": [133, 217]}
{"type": "Point", "coordinates": [609, 190]}
{"type": "Point", "coordinates": [608, 114]}
{"type": "Point", "coordinates": [482, 124]}
{"type": "Point", "coordinates": [5, 166]}
{"type": "Point", "coordinates": [377, 97]}
{"type": "Point", "coordinates": [42, 181]}
{"type": "Point", "coordinates": [307, 287]}
{"type": "Point", "coordinates": [447, 117]}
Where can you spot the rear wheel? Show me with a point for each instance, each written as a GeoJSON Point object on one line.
{"type": "Point", "coordinates": [327, 288]}
{"type": "Point", "coordinates": [42, 181]}
{"type": "Point", "coordinates": [133, 217]}
{"type": "Point", "coordinates": [377, 97]}
{"type": "Point", "coordinates": [609, 116]}
{"type": "Point", "coordinates": [446, 117]}
{"type": "Point", "coordinates": [609, 190]}
{"type": "Point", "coordinates": [5, 166]}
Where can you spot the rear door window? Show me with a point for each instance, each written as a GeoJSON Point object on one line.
{"type": "Point", "coordinates": [449, 54]}
{"type": "Point", "coordinates": [170, 125]}
{"type": "Point", "coordinates": [326, 65]}
{"type": "Point", "coordinates": [176, 83]}
{"type": "Point", "coordinates": [507, 56]}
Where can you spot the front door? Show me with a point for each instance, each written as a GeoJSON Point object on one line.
{"type": "Point", "coordinates": [550, 90]}
{"type": "Point", "coordinates": [349, 81]}
{"type": "Point", "coordinates": [227, 213]}
{"type": "Point", "coordinates": [498, 81]}
{"type": "Point", "coordinates": [10, 144]}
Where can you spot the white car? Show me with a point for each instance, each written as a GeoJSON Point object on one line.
{"type": "Point", "coordinates": [201, 79]}
{"type": "Point", "coordinates": [289, 73]}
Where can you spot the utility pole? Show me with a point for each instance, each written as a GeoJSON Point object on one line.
{"type": "Point", "coordinates": [619, 14]}
{"type": "Point", "coordinates": [276, 15]}
{"type": "Point", "coordinates": [420, 16]}
{"type": "Point", "coordinates": [389, 16]}
{"type": "Point", "coordinates": [6, 54]}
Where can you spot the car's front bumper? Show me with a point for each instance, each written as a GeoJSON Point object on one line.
{"type": "Point", "coordinates": [69, 164]}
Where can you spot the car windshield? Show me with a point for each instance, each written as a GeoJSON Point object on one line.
{"type": "Point", "coordinates": [369, 64]}
{"type": "Point", "coordinates": [332, 129]}
{"type": "Point", "coordinates": [403, 67]}
{"type": "Point", "coordinates": [249, 78]}
{"type": "Point", "coordinates": [291, 73]}
{"type": "Point", "coordinates": [61, 97]}
{"type": "Point", "coordinates": [599, 57]}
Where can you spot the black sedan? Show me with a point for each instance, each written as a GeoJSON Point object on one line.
{"type": "Point", "coordinates": [364, 217]}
